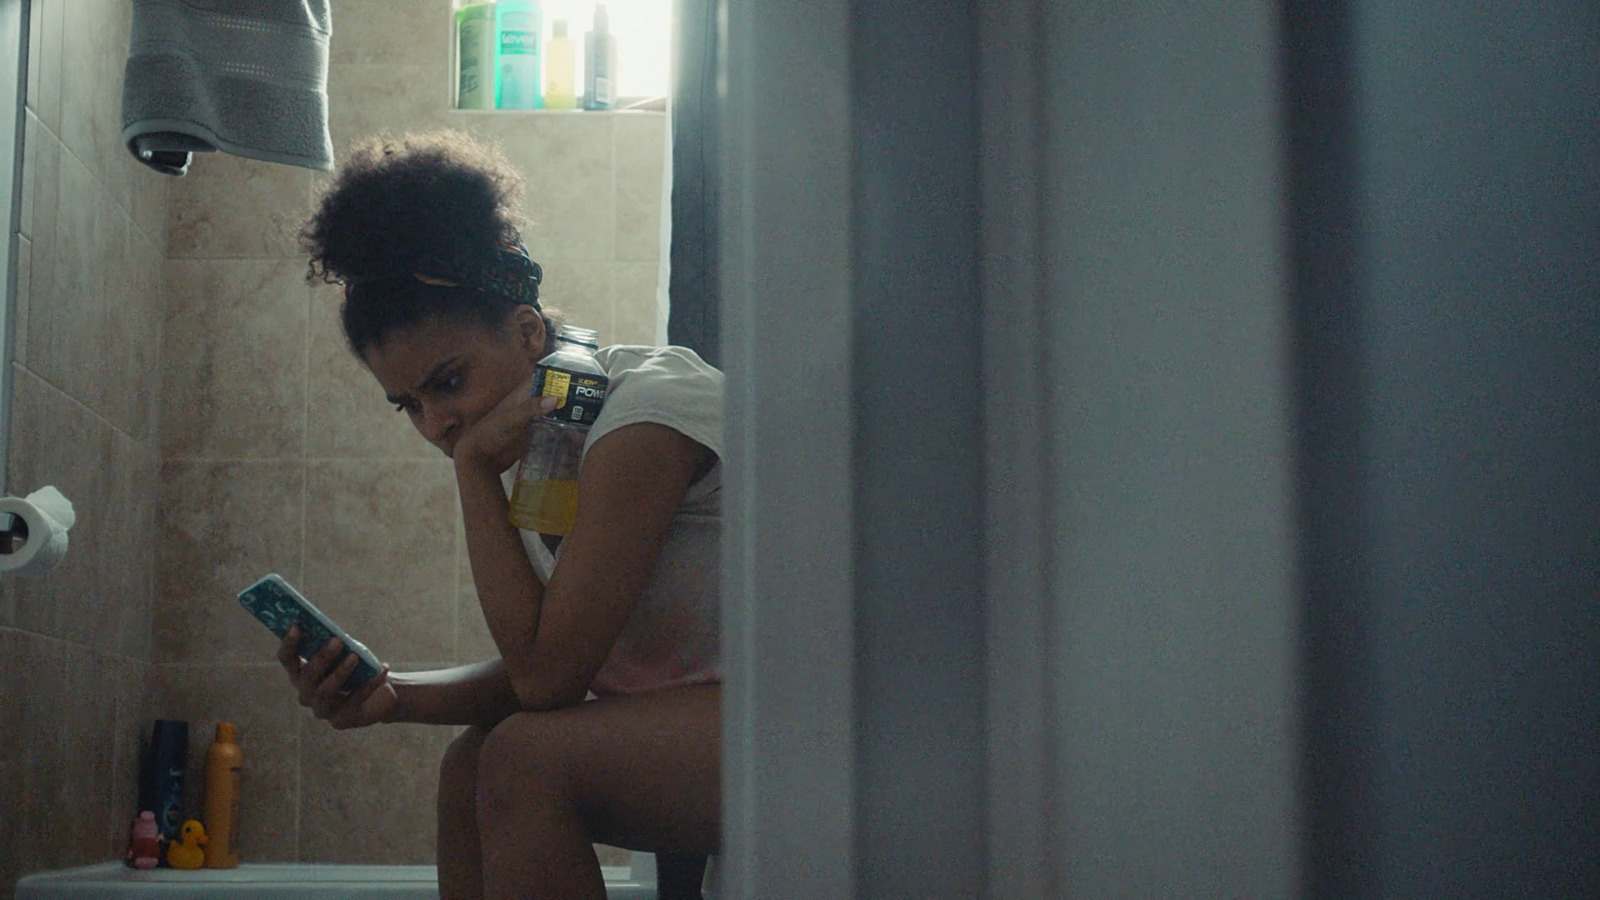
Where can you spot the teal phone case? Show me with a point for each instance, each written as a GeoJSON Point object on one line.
{"type": "Point", "coordinates": [279, 606]}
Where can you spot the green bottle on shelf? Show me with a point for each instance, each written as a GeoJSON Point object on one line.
{"type": "Point", "coordinates": [517, 60]}
{"type": "Point", "coordinates": [475, 46]}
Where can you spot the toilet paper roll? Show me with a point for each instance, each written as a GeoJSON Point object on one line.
{"type": "Point", "coordinates": [35, 531]}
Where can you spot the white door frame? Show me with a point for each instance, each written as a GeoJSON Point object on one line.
{"type": "Point", "coordinates": [13, 100]}
{"type": "Point", "coordinates": [1117, 657]}
{"type": "Point", "coordinates": [788, 608]}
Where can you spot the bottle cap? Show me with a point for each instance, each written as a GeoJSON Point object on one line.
{"type": "Point", "coordinates": [559, 27]}
{"type": "Point", "coordinates": [225, 732]}
{"type": "Point", "coordinates": [585, 337]}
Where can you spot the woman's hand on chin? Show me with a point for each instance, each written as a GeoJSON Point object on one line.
{"type": "Point", "coordinates": [495, 442]}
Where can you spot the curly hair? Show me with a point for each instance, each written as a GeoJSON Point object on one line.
{"type": "Point", "coordinates": [416, 204]}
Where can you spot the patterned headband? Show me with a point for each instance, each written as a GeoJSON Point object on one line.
{"type": "Point", "coordinates": [513, 276]}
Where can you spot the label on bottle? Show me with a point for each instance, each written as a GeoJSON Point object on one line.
{"type": "Point", "coordinates": [514, 42]}
{"type": "Point", "coordinates": [472, 62]}
{"type": "Point", "coordinates": [579, 395]}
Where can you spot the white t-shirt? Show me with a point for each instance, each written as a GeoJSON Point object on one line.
{"type": "Point", "coordinates": [672, 638]}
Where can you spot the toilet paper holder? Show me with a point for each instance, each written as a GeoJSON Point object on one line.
{"type": "Point", "coordinates": [13, 532]}
{"type": "Point", "coordinates": [33, 531]}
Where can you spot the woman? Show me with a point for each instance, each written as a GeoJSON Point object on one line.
{"type": "Point", "coordinates": [441, 305]}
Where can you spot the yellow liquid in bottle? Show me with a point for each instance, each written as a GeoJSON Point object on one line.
{"type": "Point", "coordinates": [545, 506]}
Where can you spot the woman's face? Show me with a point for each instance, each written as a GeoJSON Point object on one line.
{"type": "Point", "coordinates": [446, 374]}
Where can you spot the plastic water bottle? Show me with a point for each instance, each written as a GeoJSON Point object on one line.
{"type": "Point", "coordinates": [545, 496]}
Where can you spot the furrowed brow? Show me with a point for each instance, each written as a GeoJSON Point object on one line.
{"type": "Point", "coordinates": [434, 374]}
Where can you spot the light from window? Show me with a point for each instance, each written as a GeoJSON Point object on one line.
{"type": "Point", "coordinates": [643, 29]}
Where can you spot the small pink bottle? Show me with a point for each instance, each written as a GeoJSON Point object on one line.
{"type": "Point", "coordinates": [144, 844]}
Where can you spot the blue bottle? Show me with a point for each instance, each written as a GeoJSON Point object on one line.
{"type": "Point", "coordinates": [161, 781]}
{"type": "Point", "coordinates": [600, 63]}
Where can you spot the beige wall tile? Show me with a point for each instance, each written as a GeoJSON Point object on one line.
{"type": "Point", "coordinates": [566, 161]}
{"type": "Point", "coordinates": [131, 705]}
{"type": "Point", "coordinates": [16, 669]}
{"type": "Point", "coordinates": [127, 557]}
{"type": "Point", "coordinates": [346, 413]}
{"type": "Point", "coordinates": [131, 342]}
{"type": "Point", "coordinates": [46, 30]}
{"type": "Point", "coordinates": [473, 643]}
{"type": "Point", "coordinates": [41, 187]}
{"type": "Point", "coordinates": [233, 362]}
{"type": "Point", "coordinates": [57, 440]}
{"type": "Point", "coordinates": [636, 285]}
{"type": "Point", "coordinates": [93, 51]}
{"type": "Point", "coordinates": [19, 312]}
{"type": "Point", "coordinates": [368, 794]}
{"type": "Point", "coordinates": [407, 32]}
{"type": "Point", "coordinates": [380, 556]}
{"type": "Point", "coordinates": [228, 206]}
{"type": "Point", "coordinates": [33, 694]}
{"type": "Point", "coordinates": [94, 321]}
{"type": "Point", "coordinates": [639, 154]}
{"type": "Point", "coordinates": [87, 745]}
{"type": "Point", "coordinates": [366, 99]}
{"type": "Point", "coordinates": [69, 312]}
{"type": "Point", "coordinates": [32, 132]}
{"type": "Point", "coordinates": [149, 193]}
{"type": "Point", "coordinates": [222, 526]}
{"type": "Point", "coordinates": [35, 39]}
{"type": "Point", "coordinates": [8, 606]}
{"type": "Point", "coordinates": [259, 702]}
{"type": "Point", "coordinates": [581, 291]}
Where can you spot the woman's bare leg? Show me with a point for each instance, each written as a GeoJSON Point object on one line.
{"type": "Point", "coordinates": [460, 859]}
{"type": "Point", "coordinates": [641, 772]}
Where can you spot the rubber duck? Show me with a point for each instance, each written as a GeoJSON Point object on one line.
{"type": "Point", "coordinates": [185, 852]}
{"type": "Point", "coordinates": [144, 845]}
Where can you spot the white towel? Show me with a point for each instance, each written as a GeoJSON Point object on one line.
{"type": "Point", "coordinates": [248, 77]}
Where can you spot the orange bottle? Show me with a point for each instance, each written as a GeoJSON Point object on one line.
{"type": "Point", "coordinates": [223, 762]}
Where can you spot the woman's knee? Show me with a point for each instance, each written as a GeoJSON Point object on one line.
{"type": "Point", "coordinates": [458, 770]}
{"type": "Point", "coordinates": [523, 755]}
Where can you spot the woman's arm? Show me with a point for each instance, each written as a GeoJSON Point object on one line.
{"type": "Point", "coordinates": [474, 694]}
{"type": "Point", "coordinates": [509, 590]}
{"type": "Point", "coordinates": [553, 640]}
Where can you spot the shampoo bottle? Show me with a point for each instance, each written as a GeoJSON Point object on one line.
{"type": "Point", "coordinates": [475, 43]}
{"type": "Point", "coordinates": [600, 63]}
{"type": "Point", "coordinates": [161, 782]}
{"type": "Point", "coordinates": [560, 86]}
{"type": "Point", "coordinates": [517, 53]}
{"type": "Point", "coordinates": [223, 761]}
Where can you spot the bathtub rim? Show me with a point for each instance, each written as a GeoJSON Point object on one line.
{"type": "Point", "coordinates": [112, 879]}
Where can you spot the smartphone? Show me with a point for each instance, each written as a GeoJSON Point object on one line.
{"type": "Point", "coordinates": [279, 606]}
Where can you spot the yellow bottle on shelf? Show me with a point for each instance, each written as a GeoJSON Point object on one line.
{"type": "Point", "coordinates": [560, 77]}
{"type": "Point", "coordinates": [224, 759]}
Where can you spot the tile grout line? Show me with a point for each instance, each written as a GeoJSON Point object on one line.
{"type": "Point", "coordinates": [96, 414]}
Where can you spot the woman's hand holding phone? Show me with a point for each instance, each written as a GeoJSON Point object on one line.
{"type": "Point", "coordinates": [317, 680]}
